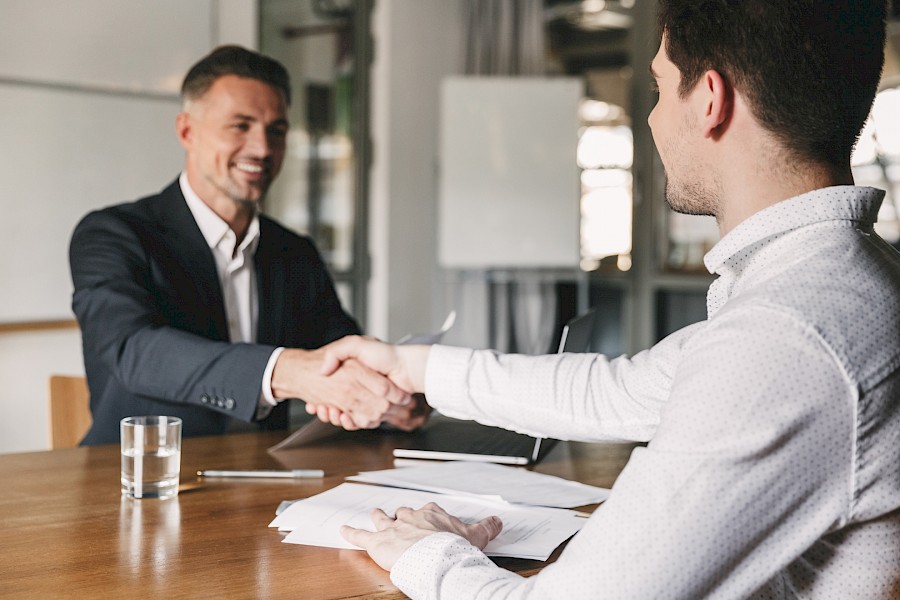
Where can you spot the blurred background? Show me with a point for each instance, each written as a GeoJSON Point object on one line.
{"type": "Point", "coordinates": [485, 156]}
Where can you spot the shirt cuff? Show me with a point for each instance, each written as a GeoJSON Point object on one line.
{"type": "Point", "coordinates": [267, 398]}
{"type": "Point", "coordinates": [419, 570]}
{"type": "Point", "coordinates": [445, 379]}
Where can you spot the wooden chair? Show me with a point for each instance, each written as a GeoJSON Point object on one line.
{"type": "Point", "coordinates": [70, 411]}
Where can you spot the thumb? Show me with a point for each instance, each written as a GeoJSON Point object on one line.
{"type": "Point", "coordinates": [490, 527]}
{"type": "Point", "coordinates": [357, 537]}
{"type": "Point", "coordinates": [330, 364]}
{"type": "Point", "coordinates": [336, 353]}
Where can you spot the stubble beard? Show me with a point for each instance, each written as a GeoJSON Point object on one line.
{"type": "Point", "coordinates": [693, 190]}
{"type": "Point", "coordinates": [246, 200]}
{"type": "Point", "coordinates": [691, 199]}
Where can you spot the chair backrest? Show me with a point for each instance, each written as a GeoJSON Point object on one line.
{"type": "Point", "coordinates": [70, 410]}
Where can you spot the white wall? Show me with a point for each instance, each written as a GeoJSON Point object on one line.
{"type": "Point", "coordinates": [26, 362]}
{"type": "Point", "coordinates": [417, 43]}
{"type": "Point", "coordinates": [97, 75]}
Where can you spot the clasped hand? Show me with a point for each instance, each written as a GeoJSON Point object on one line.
{"type": "Point", "coordinates": [404, 367]}
{"type": "Point", "coordinates": [363, 396]}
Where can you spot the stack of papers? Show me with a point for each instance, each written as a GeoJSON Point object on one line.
{"type": "Point", "coordinates": [469, 491]}
{"type": "Point", "coordinates": [489, 481]}
{"type": "Point", "coordinates": [528, 531]}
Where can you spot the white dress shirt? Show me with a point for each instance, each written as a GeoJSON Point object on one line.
{"type": "Point", "coordinates": [773, 468]}
{"type": "Point", "coordinates": [237, 278]}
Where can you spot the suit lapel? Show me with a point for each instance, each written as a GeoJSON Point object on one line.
{"type": "Point", "coordinates": [270, 281]}
{"type": "Point", "coordinates": [183, 236]}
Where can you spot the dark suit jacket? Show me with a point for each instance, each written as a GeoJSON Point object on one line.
{"type": "Point", "coordinates": [152, 317]}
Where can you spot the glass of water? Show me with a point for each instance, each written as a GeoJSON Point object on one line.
{"type": "Point", "coordinates": [151, 456]}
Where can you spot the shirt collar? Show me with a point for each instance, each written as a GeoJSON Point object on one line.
{"type": "Point", "coordinates": [212, 226]}
{"type": "Point", "coordinates": [838, 203]}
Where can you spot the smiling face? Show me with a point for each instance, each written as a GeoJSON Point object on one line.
{"type": "Point", "coordinates": [234, 137]}
{"type": "Point", "coordinates": [676, 132]}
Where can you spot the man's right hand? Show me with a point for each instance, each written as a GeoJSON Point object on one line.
{"type": "Point", "coordinates": [404, 365]}
{"type": "Point", "coordinates": [362, 393]}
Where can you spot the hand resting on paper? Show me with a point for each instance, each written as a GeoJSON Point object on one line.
{"type": "Point", "coordinates": [393, 536]}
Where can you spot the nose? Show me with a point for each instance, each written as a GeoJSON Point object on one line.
{"type": "Point", "coordinates": [258, 143]}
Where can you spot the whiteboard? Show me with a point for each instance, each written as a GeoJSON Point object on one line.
{"type": "Point", "coordinates": [68, 152]}
{"type": "Point", "coordinates": [509, 184]}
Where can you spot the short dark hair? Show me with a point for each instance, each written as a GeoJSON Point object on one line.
{"type": "Point", "coordinates": [234, 60]}
{"type": "Point", "coordinates": [808, 68]}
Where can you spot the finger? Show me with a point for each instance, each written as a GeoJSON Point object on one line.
{"type": "Point", "coordinates": [435, 507]}
{"type": "Point", "coordinates": [357, 537]}
{"type": "Point", "coordinates": [323, 412]}
{"type": "Point", "coordinates": [362, 398]}
{"type": "Point", "coordinates": [408, 418]}
{"type": "Point", "coordinates": [353, 420]}
{"type": "Point", "coordinates": [404, 513]}
{"type": "Point", "coordinates": [334, 416]}
{"type": "Point", "coordinates": [400, 417]}
{"type": "Point", "coordinates": [348, 423]}
{"type": "Point", "coordinates": [379, 386]}
{"type": "Point", "coordinates": [487, 529]}
{"type": "Point", "coordinates": [381, 519]}
{"type": "Point", "coordinates": [311, 408]}
{"type": "Point", "coordinates": [337, 352]}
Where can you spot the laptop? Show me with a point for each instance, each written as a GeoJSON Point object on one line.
{"type": "Point", "coordinates": [443, 438]}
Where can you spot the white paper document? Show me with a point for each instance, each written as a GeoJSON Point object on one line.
{"type": "Point", "coordinates": [490, 481]}
{"type": "Point", "coordinates": [528, 531]}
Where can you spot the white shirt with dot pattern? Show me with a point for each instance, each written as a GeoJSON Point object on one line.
{"type": "Point", "coordinates": [773, 463]}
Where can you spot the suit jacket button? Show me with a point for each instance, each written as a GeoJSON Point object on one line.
{"type": "Point", "coordinates": [204, 399]}
{"type": "Point", "coordinates": [229, 403]}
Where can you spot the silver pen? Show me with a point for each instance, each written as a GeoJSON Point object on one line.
{"type": "Point", "coordinates": [292, 474]}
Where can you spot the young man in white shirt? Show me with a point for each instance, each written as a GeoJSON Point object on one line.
{"type": "Point", "coordinates": [774, 425]}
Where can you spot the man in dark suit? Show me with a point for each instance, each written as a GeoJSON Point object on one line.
{"type": "Point", "coordinates": [192, 303]}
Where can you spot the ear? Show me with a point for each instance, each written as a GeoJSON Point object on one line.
{"type": "Point", "coordinates": [718, 103]}
{"type": "Point", "coordinates": [183, 130]}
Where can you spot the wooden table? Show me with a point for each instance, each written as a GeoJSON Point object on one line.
{"type": "Point", "coordinates": [66, 531]}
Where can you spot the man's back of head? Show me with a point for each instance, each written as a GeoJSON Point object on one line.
{"type": "Point", "coordinates": [808, 68]}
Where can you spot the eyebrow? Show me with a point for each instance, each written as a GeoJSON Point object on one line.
{"type": "Point", "coordinates": [277, 122]}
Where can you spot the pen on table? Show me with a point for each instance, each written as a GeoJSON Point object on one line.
{"type": "Point", "coordinates": [292, 474]}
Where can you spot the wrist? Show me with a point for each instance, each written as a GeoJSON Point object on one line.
{"type": "Point", "coordinates": [268, 395]}
{"type": "Point", "coordinates": [413, 361]}
{"type": "Point", "coordinates": [285, 381]}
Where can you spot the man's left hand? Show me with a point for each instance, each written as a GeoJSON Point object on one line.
{"type": "Point", "coordinates": [406, 418]}
{"type": "Point", "coordinates": [393, 536]}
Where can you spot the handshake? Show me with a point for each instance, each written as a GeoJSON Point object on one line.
{"type": "Point", "coordinates": [357, 382]}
